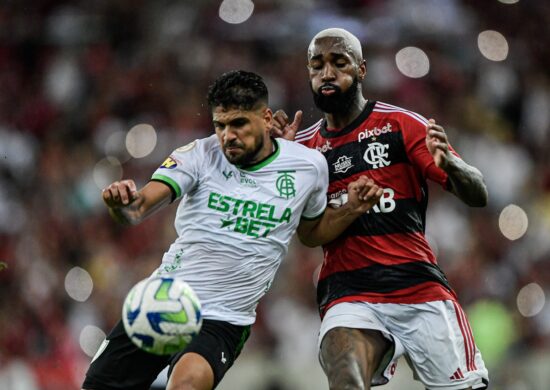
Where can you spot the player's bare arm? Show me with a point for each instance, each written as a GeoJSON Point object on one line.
{"type": "Point", "coordinates": [281, 126]}
{"type": "Point", "coordinates": [129, 206]}
{"type": "Point", "coordinates": [362, 195]}
{"type": "Point", "coordinates": [465, 181]}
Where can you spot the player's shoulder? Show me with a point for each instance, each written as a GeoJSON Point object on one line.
{"type": "Point", "coordinates": [399, 114]}
{"type": "Point", "coordinates": [297, 151]}
{"type": "Point", "coordinates": [201, 146]}
{"type": "Point", "coordinates": [309, 132]}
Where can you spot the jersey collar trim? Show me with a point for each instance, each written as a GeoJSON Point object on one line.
{"type": "Point", "coordinates": [352, 126]}
{"type": "Point", "coordinates": [267, 160]}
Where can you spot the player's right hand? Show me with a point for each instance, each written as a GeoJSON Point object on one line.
{"type": "Point", "coordinates": [281, 126]}
{"type": "Point", "coordinates": [120, 193]}
{"type": "Point", "coordinates": [363, 193]}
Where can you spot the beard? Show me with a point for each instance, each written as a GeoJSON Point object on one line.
{"type": "Point", "coordinates": [337, 103]}
{"type": "Point", "coordinates": [244, 157]}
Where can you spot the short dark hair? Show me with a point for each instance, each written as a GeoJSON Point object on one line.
{"type": "Point", "coordinates": [239, 89]}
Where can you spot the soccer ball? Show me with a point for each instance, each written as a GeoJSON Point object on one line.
{"type": "Point", "coordinates": [161, 315]}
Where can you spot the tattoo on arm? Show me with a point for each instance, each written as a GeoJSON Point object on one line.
{"type": "Point", "coordinates": [466, 182]}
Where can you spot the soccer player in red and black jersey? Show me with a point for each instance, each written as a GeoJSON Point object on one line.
{"type": "Point", "coordinates": [381, 293]}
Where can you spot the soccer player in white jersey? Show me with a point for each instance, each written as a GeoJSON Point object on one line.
{"type": "Point", "coordinates": [243, 195]}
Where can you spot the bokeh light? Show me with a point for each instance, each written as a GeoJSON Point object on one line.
{"type": "Point", "coordinates": [236, 11]}
{"type": "Point", "coordinates": [494, 330]}
{"type": "Point", "coordinates": [530, 300]}
{"type": "Point", "coordinates": [115, 145]}
{"type": "Point", "coordinates": [90, 339]}
{"type": "Point", "coordinates": [106, 171]}
{"type": "Point", "coordinates": [513, 222]}
{"type": "Point", "coordinates": [78, 284]}
{"type": "Point", "coordinates": [509, 1]}
{"type": "Point", "coordinates": [141, 140]}
{"type": "Point", "coordinates": [492, 45]}
{"type": "Point", "coordinates": [412, 62]}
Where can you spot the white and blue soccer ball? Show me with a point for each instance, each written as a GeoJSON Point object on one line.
{"type": "Point", "coordinates": [161, 315]}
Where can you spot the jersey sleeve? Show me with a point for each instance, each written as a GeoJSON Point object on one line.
{"type": "Point", "coordinates": [414, 137]}
{"type": "Point", "coordinates": [180, 170]}
{"type": "Point", "coordinates": [317, 200]}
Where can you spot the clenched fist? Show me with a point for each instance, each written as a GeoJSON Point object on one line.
{"type": "Point", "coordinates": [120, 194]}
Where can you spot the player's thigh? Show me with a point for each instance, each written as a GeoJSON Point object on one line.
{"type": "Point", "coordinates": [359, 315]}
{"type": "Point", "coordinates": [347, 353]}
{"type": "Point", "coordinates": [119, 364]}
{"type": "Point", "coordinates": [439, 344]}
{"type": "Point", "coordinates": [207, 358]}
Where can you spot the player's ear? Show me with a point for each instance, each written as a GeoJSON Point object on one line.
{"type": "Point", "coordinates": [268, 117]}
{"type": "Point", "coordinates": [362, 70]}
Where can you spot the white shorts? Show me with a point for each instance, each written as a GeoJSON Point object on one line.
{"type": "Point", "coordinates": [435, 337]}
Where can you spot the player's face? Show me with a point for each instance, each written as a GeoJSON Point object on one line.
{"type": "Point", "coordinates": [243, 134]}
{"type": "Point", "coordinates": [334, 74]}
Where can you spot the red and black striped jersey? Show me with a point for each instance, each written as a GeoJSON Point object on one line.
{"type": "Point", "coordinates": [383, 257]}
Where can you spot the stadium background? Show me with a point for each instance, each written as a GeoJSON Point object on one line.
{"type": "Point", "coordinates": [92, 91]}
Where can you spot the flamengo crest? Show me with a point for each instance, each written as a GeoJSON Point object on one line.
{"type": "Point", "coordinates": [376, 155]}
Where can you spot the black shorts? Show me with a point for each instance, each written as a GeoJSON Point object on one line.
{"type": "Point", "coordinates": [122, 365]}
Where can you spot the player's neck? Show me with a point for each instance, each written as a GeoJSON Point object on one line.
{"type": "Point", "coordinates": [269, 147]}
{"type": "Point", "coordinates": [339, 120]}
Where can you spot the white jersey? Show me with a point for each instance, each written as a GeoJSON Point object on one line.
{"type": "Point", "coordinates": [234, 224]}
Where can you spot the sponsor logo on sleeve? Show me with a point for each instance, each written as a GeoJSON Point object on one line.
{"type": "Point", "coordinates": [169, 163]}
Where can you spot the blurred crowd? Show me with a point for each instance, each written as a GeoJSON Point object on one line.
{"type": "Point", "coordinates": [76, 76]}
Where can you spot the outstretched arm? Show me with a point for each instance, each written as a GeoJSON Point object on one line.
{"type": "Point", "coordinates": [362, 195]}
{"type": "Point", "coordinates": [129, 206]}
{"type": "Point", "coordinates": [465, 181]}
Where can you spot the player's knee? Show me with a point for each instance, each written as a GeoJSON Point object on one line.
{"type": "Point", "coordinates": [347, 381]}
{"type": "Point", "coordinates": [346, 373]}
{"type": "Point", "coordinates": [350, 357]}
{"type": "Point", "coordinates": [184, 385]}
{"type": "Point", "coordinates": [345, 370]}
{"type": "Point", "coordinates": [189, 381]}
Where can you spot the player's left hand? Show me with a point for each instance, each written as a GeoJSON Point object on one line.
{"type": "Point", "coordinates": [283, 128]}
{"type": "Point", "coordinates": [438, 144]}
{"type": "Point", "coordinates": [363, 193]}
